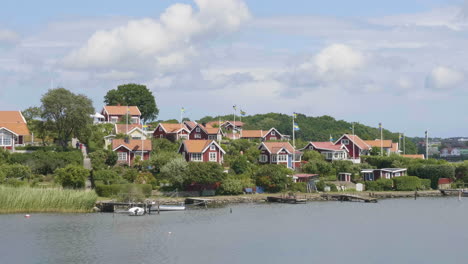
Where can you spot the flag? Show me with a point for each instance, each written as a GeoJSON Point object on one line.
{"type": "Point", "coordinates": [128, 110]}
{"type": "Point", "coordinates": [235, 107]}
{"type": "Point", "coordinates": [296, 127]}
{"type": "Point", "coordinates": [425, 133]}
{"type": "Point", "coordinates": [242, 113]}
{"type": "Point", "coordinates": [182, 110]}
{"type": "Point", "coordinates": [331, 138]}
{"type": "Point", "coordinates": [380, 126]}
{"type": "Point", "coordinates": [401, 136]}
{"type": "Point", "coordinates": [295, 115]}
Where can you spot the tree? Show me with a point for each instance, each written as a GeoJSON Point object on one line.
{"type": "Point", "coordinates": [71, 176]}
{"type": "Point", "coordinates": [205, 172]}
{"type": "Point", "coordinates": [107, 176]}
{"type": "Point", "coordinates": [273, 177]}
{"type": "Point", "coordinates": [175, 171]}
{"type": "Point", "coordinates": [67, 113]}
{"type": "Point", "coordinates": [137, 95]}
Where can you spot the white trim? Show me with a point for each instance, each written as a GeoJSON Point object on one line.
{"type": "Point", "coordinates": [215, 158]}
{"type": "Point", "coordinates": [263, 158]}
{"type": "Point", "coordinates": [119, 154]}
{"type": "Point", "coordinates": [215, 143]}
{"type": "Point", "coordinates": [196, 160]}
{"type": "Point", "coordinates": [121, 146]}
{"type": "Point", "coordinates": [9, 131]}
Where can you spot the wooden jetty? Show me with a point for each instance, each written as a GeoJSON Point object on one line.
{"type": "Point", "coordinates": [454, 192]}
{"type": "Point", "coordinates": [287, 199]}
{"type": "Point", "coordinates": [348, 198]}
{"type": "Point", "coordinates": [197, 201]}
{"type": "Point", "coordinates": [110, 207]}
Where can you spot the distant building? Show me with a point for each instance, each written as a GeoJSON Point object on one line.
{"type": "Point", "coordinates": [355, 145]}
{"type": "Point", "coordinates": [329, 150]}
{"type": "Point", "coordinates": [444, 183]}
{"type": "Point", "coordinates": [128, 150]}
{"type": "Point", "coordinates": [171, 131]}
{"type": "Point", "coordinates": [450, 152]}
{"type": "Point", "coordinates": [115, 113]}
{"type": "Point", "coordinates": [388, 146]}
{"type": "Point", "coordinates": [279, 153]}
{"type": "Point", "coordinates": [13, 129]}
{"type": "Point", "coordinates": [387, 173]}
{"type": "Point", "coordinates": [202, 151]}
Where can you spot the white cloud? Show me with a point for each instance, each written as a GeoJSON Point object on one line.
{"type": "Point", "coordinates": [117, 75]}
{"type": "Point", "coordinates": [338, 59]}
{"type": "Point", "coordinates": [8, 37]}
{"type": "Point", "coordinates": [444, 78]}
{"type": "Point", "coordinates": [171, 40]}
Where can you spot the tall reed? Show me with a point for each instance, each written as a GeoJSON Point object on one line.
{"type": "Point", "coordinates": [29, 200]}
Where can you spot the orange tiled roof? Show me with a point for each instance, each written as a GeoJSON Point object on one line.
{"type": "Point", "coordinates": [327, 145]}
{"type": "Point", "coordinates": [274, 147]}
{"type": "Point", "coordinates": [14, 121]}
{"type": "Point", "coordinates": [214, 130]}
{"type": "Point", "coordinates": [253, 133]}
{"type": "Point", "coordinates": [196, 146]}
{"type": "Point", "coordinates": [172, 128]}
{"type": "Point", "coordinates": [414, 156]}
{"type": "Point", "coordinates": [376, 143]}
{"type": "Point", "coordinates": [190, 124]}
{"type": "Point", "coordinates": [122, 110]}
{"type": "Point", "coordinates": [121, 128]}
{"type": "Point", "coordinates": [358, 141]}
{"type": "Point", "coordinates": [394, 148]}
{"type": "Point", "coordinates": [133, 144]}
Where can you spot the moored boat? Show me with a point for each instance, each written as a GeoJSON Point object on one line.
{"type": "Point", "coordinates": [136, 211]}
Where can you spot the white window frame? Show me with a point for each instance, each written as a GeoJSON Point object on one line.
{"type": "Point", "coordinates": [212, 147]}
{"type": "Point", "coordinates": [263, 158]}
{"type": "Point", "coordinates": [134, 120]}
{"type": "Point", "coordinates": [397, 174]}
{"type": "Point", "coordinates": [345, 141]}
{"type": "Point", "coordinates": [273, 138]}
{"type": "Point", "coordinates": [283, 158]}
{"type": "Point", "coordinates": [160, 128]}
{"type": "Point", "coordinates": [5, 139]}
{"type": "Point", "coordinates": [197, 157]}
{"type": "Point", "coordinates": [274, 158]}
{"type": "Point", "coordinates": [197, 135]}
{"type": "Point", "coordinates": [197, 129]}
{"type": "Point", "coordinates": [213, 156]}
{"type": "Point", "coordinates": [311, 147]}
{"type": "Point", "coordinates": [273, 133]}
{"type": "Point", "coordinates": [212, 137]}
{"type": "Point", "coordinates": [122, 156]}
{"type": "Point", "coordinates": [114, 119]}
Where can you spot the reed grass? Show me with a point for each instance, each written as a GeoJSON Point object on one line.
{"type": "Point", "coordinates": [34, 200]}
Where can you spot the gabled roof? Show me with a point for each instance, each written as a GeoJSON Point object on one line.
{"type": "Point", "coordinates": [413, 156]}
{"type": "Point", "coordinates": [377, 143]}
{"type": "Point", "coordinates": [122, 128]}
{"type": "Point", "coordinates": [357, 141]}
{"type": "Point", "coordinates": [121, 110]}
{"type": "Point", "coordinates": [172, 128]}
{"type": "Point", "coordinates": [14, 121]}
{"type": "Point", "coordinates": [190, 124]}
{"type": "Point", "coordinates": [199, 146]}
{"type": "Point", "coordinates": [393, 169]}
{"type": "Point", "coordinates": [444, 181]}
{"type": "Point", "coordinates": [132, 145]}
{"type": "Point", "coordinates": [275, 147]}
{"type": "Point", "coordinates": [236, 123]}
{"type": "Point", "coordinates": [252, 133]}
{"type": "Point", "coordinates": [327, 145]}
{"type": "Point", "coordinates": [214, 130]}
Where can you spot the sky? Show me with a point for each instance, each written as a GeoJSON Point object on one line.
{"type": "Point", "coordinates": [402, 63]}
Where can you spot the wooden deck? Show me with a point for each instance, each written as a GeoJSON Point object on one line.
{"type": "Point", "coordinates": [446, 192]}
{"type": "Point", "coordinates": [198, 201]}
{"type": "Point", "coordinates": [291, 200]}
{"type": "Point", "coordinates": [349, 198]}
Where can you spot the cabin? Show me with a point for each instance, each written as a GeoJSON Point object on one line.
{"type": "Point", "coordinates": [13, 129]}
{"type": "Point", "coordinates": [202, 151]}
{"type": "Point", "coordinates": [344, 176]}
{"type": "Point", "coordinates": [231, 125]}
{"type": "Point", "coordinates": [214, 133]}
{"type": "Point", "coordinates": [329, 150]}
{"type": "Point", "coordinates": [388, 146]}
{"type": "Point", "coordinates": [115, 113]}
{"type": "Point", "coordinates": [355, 145]}
{"type": "Point", "coordinates": [135, 131]}
{"type": "Point", "coordinates": [279, 153]}
{"type": "Point", "coordinates": [190, 125]}
{"type": "Point", "coordinates": [261, 135]}
{"type": "Point", "coordinates": [198, 133]}
{"type": "Point", "coordinates": [444, 183]}
{"type": "Point", "coordinates": [128, 150]}
{"type": "Point", "coordinates": [387, 173]}
{"type": "Point", "coordinates": [172, 132]}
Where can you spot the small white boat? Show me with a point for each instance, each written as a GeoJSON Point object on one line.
{"type": "Point", "coordinates": [136, 211]}
{"type": "Point", "coordinates": [168, 208]}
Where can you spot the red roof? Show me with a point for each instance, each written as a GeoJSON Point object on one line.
{"type": "Point", "coordinates": [133, 144]}
{"type": "Point", "coordinates": [122, 110]}
{"type": "Point", "coordinates": [14, 121]}
{"type": "Point", "coordinates": [275, 147]}
{"type": "Point", "coordinates": [305, 175]}
{"type": "Point", "coordinates": [326, 145]}
{"type": "Point", "coordinates": [445, 181]}
{"type": "Point", "coordinates": [122, 128]}
{"type": "Point", "coordinates": [357, 141]}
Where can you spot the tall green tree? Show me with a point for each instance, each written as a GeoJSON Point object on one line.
{"type": "Point", "coordinates": [134, 94]}
{"type": "Point", "coordinates": [66, 113]}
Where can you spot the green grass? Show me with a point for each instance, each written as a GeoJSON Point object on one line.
{"type": "Point", "coordinates": [29, 200]}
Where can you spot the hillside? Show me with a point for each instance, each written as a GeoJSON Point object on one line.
{"type": "Point", "coordinates": [313, 128]}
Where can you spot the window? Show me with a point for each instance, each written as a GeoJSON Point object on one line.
{"type": "Point", "coordinates": [197, 130]}
{"type": "Point", "coordinates": [134, 120]}
{"type": "Point", "coordinates": [197, 136]}
{"type": "Point", "coordinates": [273, 133]}
{"type": "Point", "coordinates": [196, 157]}
{"type": "Point", "coordinates": [161, 136]}
{"type": "Point", "coordinates": [122, 156]}
{"type": "Point", "coordinates": [160, 128]}
{"type": "Point", "coordinates": [397, 174]}
{"type": "Point", "coordinates": [282, 158]}
{"type": "Point", "coordinates": [114, 119]}
{"type": "Point", "coordinates": [274, 158]}
{"type": "Point", "coordinates": [212, 137]}
{"type": "Point", "coordinates": [213, 156]}
{"type": "Point", "coordinates": [272, 138]}
{"type": "Point", "coordinates": [263, 158]}
{"type": "Point", "coordinates": [213, 147]}
{"type": "Point", "coordinates": [5, 139]}
{"type": "Point", "coordinates": [311, 147]}
{"type": "Point", "coordinates": [345, 141]}
{"type": "Point", "coordinates": [387, 175]}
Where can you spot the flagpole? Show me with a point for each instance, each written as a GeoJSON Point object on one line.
{"type": "Point", "coordinates": [234, 128]}
{"type": "Point", "coordinates": [399, 143]}
{"type": "Point", "coordinates": [142, 145]}
{"type": "Point", "coordinates": [427, 144]}
{"type": "Point", "coordinates": [404, 144]}
{"type": "Point", "coordinates": [381, 140]}
{"type": "Point", "coordinates": [354, 150]}
{"type": "Point", "coordinates": [294, 141]}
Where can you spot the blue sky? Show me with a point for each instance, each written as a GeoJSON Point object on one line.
{"type": "Point", "coordinates": [401, 62]}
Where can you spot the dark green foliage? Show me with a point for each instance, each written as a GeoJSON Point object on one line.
{"type": "Point", "coordinates": [379, 185]}
{"type": "Point", "coordinates": [240, 165]}
{"type": "Point", "coordinates": [94, 136]}
{"type": "Point", "coordinates": [425, 184]}
{"type": "Point", "coordinates": [102, 159]}
{"type": "Point", "coordinates": [311, 155]}
{"type": "Point", "coordinates": [175, 172]}
{"type": "Point", "coordinates": [15, 182]}
{"type": "Point", "coordinates": [273, 177]}
{"type": "Point", "coordinates": [107, 176]}
{"type": "Point", "coordinates": [15, 171]}
{"type": "Point", "coordinates": [159, 159]}
{"type": "Point", "coordinates": [164, 145]}
{"type": "Point", "coordinates": [71, 176]}
{"type": "Point", "coordinates": [119, 189]}
{"type": "Point", "coordinates": [298, 187]}
{"type": "Point", "coordinates": [407, 183]}
{"type": "Point", "coordinates": [231, 186]}
{"type": "Point", "coordinates": [44, 163]}
{"type": "Point", "coordinates": [320, 167]}
{"type": "Point", "coordinates": [205, 172]}
{"type": "Point", "coordinates": [134, 95]}
{"type": "Point", "coordinates": [320, 185]}
{"type": "Point", "coordinates": [433, 172]}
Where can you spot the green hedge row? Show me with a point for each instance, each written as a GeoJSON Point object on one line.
{"type": "Point", "coordinates": [403, 183]}
{"type": "Point", "coordinates": [117, 189]}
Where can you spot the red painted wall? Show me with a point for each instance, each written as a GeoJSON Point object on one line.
{"type": "Point", "coordinates": [202, 133]}
{"type": "Point", "coordinates": [271, 137]}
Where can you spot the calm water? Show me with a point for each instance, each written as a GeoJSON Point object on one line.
{"type": "Point", "coordinates": [391, 231]}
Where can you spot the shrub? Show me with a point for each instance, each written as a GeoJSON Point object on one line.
{"type": "Point", "coordinates": [15, 182]}
{"type": "Point", "coordinates": [231, 185]}
{"type": "Point", "coordinates": [16, 171]}
{"type": "Point", "coordinates": [425, 184]}
{"type": "Point", "coordinates": [106, 176]}
{"type": "Point", "coordinates": [71, 176]}
{"type": "Point", "coordinates": [273, 177]}
{"type": "Point", "coordinates": [379, 185]}
{"type": "Point", "coordinates": [298, 187]}
{"type": "Point", "coordinates": [205, 172]}
{"type": "Point", "coordinates": [433, 172]}
{"type": "Point", "coordinates": [407, 183]}
{"type": "Point", "coordinates": [44, 163]}
{"type": "Point", "coordinates": [123, 189]}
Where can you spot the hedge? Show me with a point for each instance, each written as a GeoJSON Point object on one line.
{"type": "Point", "coordinates": [407, 183]}
{"type": "Point", "coordinates": [433, 172]}
{"type": "Point", "coordinates": [116, 189]}
{"type": "Point", "coordinates": [379, 185]}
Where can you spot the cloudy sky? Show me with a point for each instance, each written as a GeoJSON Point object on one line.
{"type": "Point", "coordinates": [402, 62]}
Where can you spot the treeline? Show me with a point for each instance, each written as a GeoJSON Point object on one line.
{"type": "Point", "coordinates": [313, 128]}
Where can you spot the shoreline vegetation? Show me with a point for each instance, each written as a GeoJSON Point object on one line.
{"type": "Point", "coordinates": [42, 200]}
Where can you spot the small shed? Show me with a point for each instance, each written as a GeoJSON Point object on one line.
{"type": "Point", "coordinates": [444, 183]}
{"type": "Point", "coordinates": [344, 176]}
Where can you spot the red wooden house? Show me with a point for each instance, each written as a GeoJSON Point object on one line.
{"type": "Point", "coordinates": [172, 132]}
{"type": "Point", "coordinates": [198, 133]}
{"type": "Point", "coordinates": [190, 125]}
{"type": "Point", "coordinates": [279, 153]}
{"type": "Point", "coordinates": [13, 129]}
{"type": "Point", "coordinates": [202, 151]}
{"type": "Point", "coordinates": [387, 173]}
{"type": "Point", "coordinates": [128, 150]}
{"type": "Point", "coordinates": [115, 113]}
{"type": "Point", "coordinates": [329, 150]}
{"type": "Point", "coordinates": [272, 134]}
{"type": "Point", "coordinates": [360, 147]}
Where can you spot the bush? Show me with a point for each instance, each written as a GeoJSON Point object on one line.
{"type": "Point", "coordinates": [407, 183]}
{"type": "Point", "coordinates": [41, 162]}
{"type": "Point", "coordinates": [320, 185]}
{"type": "Point", "coordinates": [273, 177]}
{"type": "Point", "coordinates": [15, 182]}
{"type": "Point", "coordinates": [123, 189]}
{"type": "Point", "coordinates": [71, 176]}
{"type": "Point", "coordinates": [379, 185]}
{"type": "Point", "coordinates": [231, 186]}
{"type": "Point", "coordinates": [106, 176]}
{"type": "Point", "coordinates": [298, 187]}
{"type": "Point", "coordinates": [433, 172]}
{"type": "Point", "coordinates": [16, 171]}
{"type": "Point", "coordinates": [425, 184]}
